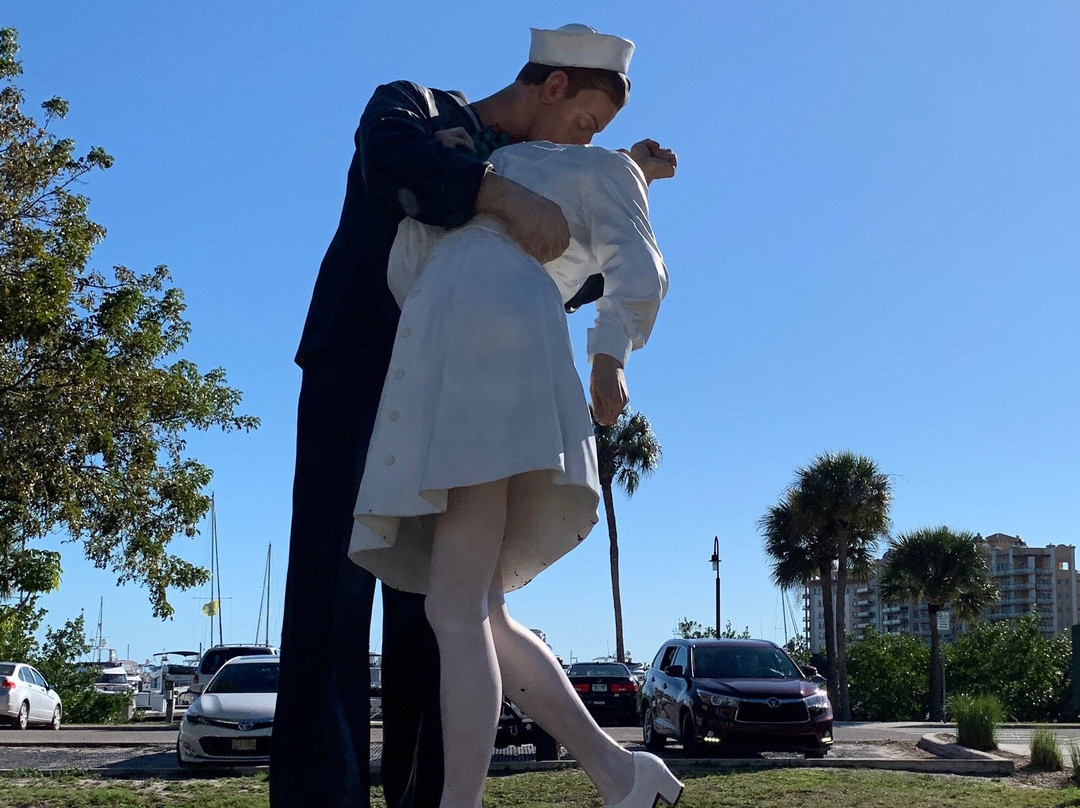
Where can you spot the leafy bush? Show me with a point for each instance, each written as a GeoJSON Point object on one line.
{"type": "Point", "coordinates": [1011, 659]}
{"type": "Point", "coordinates": [1045, 752]}
{"type": "Point", "coordinates": [56, 659]}
{"type": "Point", "coordinates": [888, 677]}
{"type": "Point", "coordinates": [977, 718]}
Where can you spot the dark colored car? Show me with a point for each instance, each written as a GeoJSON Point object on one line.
{"type": "Point", "coordinates": [216, 656]}
{"type": "Point", "coordinates": [723, 694]}
{"type": "Point", "coordinates": [608, 690]}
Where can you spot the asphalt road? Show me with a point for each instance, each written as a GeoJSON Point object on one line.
{"type": "Point", "coordinates": [150, 747]}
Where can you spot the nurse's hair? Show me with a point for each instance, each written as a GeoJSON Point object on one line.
{"type": "Point", "coordinates": [613, 84]}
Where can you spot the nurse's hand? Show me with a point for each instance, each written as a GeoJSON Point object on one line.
{"type": "Point", "coordinates": [607, 389]}
{"type": "Point", "coordinates": [536, 223]}
{"type": "Point", "coordinates": [456, 138]}
{"type": "Point", "coordinates": [656, 162]}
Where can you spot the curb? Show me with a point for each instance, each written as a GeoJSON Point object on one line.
{"type": "Point", "coordinates": [972, 761]}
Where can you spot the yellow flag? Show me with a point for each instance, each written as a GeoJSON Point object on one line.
{"type": "Point", "coordinates": [210, 609]}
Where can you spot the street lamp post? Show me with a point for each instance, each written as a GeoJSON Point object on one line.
{"type": "Point", "coordinates": [716, 568]}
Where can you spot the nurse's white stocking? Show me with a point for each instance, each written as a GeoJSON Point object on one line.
{"type": "Point", "coordinates": [535, 682]}
{"type": "Point", "coordinates": [468, 537]}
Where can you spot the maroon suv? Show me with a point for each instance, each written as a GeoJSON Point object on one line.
{"type": "Point", "coordinates": [715, 695]}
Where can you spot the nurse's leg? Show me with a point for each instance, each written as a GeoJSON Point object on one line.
{"type": "Point", "coordinates": [468, 538]}
{"type": "Point", "coordinates": [535, 682]}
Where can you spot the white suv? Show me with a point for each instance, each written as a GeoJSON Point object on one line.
{"type": "Point", "coordinates": [26, 698]}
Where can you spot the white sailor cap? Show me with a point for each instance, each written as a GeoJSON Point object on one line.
{"type": "Point", "coordinates": [578, 45]}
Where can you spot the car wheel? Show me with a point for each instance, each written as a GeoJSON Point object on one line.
{"type": "Point", "coordinates": [180, 762]}
{"type": "Point", "coordinates": [547, 748]}
{"type": "Point", "coordinates": [689, 740]}
{"type": "Point", "coordinates": [652, 739]}
{"type": "Point", "coordinates": [55, 723]}
{"type": "Point", "coordinates": [817, 754]}
{"type": "Point", "coordinates": [21, 720]}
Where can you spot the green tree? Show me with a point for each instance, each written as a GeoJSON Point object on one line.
{"type": "Point", "coordinates": [58, 663]}
{"type": "Point", "coordinates": [626, 451]}
{"type": "Point", "coordinates": [944, 569]}
{"type": "Point", "coordinates": [1012, 660]}
{"type": "Point", "coordinates": [93, 410]}
{"type": "Point", "coordinates": [689, 629]}
{"type": "Point", "coordinates": [826, 526]}
{"type": "Point", "coordinates": [888, 676]}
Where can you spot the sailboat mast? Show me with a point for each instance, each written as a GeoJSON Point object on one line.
{"type": "Point", "coordinates": [217, 562]}
{"type": "Point", "coordinates": [269, 561]}
{"type": "Point", "coordinates": [100, 616]}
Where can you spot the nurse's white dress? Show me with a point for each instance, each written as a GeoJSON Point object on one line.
{"type": "Point", "coordinates": [482, 383]}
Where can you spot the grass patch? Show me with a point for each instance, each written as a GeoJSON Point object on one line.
{"type": "Point", "coordinates": [570, 789]}
{"type": "Point", "coordinates": [1045, 752]}
{"type": "Point", "coordinates": [977, 718]}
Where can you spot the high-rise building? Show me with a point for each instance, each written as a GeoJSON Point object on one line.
{"type": "Point", "coordinates": [1039, 580]}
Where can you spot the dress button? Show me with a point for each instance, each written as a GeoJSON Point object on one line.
{"type": "Point", "coordinates": [406, 332]}
{"type": "Point", "coordinates": [399, 374]}
{"type": "Point", "coordinates": [394, 415]}
{"type": "Point", "coordinates": [389, 460]}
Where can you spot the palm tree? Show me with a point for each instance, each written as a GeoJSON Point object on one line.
{"type": "Point", "coordinates": [946, 570]}
{"type": "Point", "coordinates": [625, 452]}
{"type": "Point", "coordinates": [831, 518]}
{"type": "Point", "coordinates": [799, 556]}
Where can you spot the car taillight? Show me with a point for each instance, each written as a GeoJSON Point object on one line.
{"type": "Point", "coordinates": [581, 688]}
{"type": "Point", "coordinates": [623, 687]}
{"type": "Point", "coordinates": [7, 684]}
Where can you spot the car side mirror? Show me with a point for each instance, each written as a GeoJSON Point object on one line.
{"type": "Point", "coordinates": [808, 670]}
{"type": "Point", "coordinates": [674, 670]}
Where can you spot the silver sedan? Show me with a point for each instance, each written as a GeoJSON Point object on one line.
{"type": "Point", "coordinates": [26, 698]}
{"type": "Point", "coordinates": [231, 721]}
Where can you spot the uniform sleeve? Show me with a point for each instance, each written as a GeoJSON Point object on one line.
{"type": "Point", "coordinates": [622, 242]}
{"type": "Point", "coordinates": [406, 167]}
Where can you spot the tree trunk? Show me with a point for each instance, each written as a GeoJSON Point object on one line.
{"type": "Point", "coordinates": [616, 597]}
{"type": "Point", "coordinates": [937, 694]}
{"type": "Point", "coordinates": [841, 632]}
{"type": "Point", "coordinates": [828, 610]}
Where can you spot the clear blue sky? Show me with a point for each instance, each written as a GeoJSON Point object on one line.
{"type": "Point", "coordinates": [873, 244]}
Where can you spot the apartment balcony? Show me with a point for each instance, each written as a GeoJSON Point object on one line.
{"type": "Point", "coordinates": [891, 609]}
{"type": "Point", "coordinates": [863, 602]}
{"type": "Point", "coordinates": [864, 614]}
{"type": "Point", "coordinates": [862, 590]}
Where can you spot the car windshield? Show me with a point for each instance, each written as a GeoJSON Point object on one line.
{"type": "Point", "coordinates": [254, 677]}
{"type": "Point", "coordinates": [7, 670]}
{"type": "Point", "coordinates": [743, 663]}
{"type": "Point", "coordinates": [598, 669]}
{"type": "Point", "coordinates": [113, 679]}
{"type": "Point", "coordinates": [217, 657]}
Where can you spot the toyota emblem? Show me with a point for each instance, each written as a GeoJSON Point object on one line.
{"type": "Point", "coordinates": [773, 702]}
{"type": "Point", "coordinates": [245, 726]}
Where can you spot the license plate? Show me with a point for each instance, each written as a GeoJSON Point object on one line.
{"type": "Point", "coordinates": [243, 744]}
{"type": "Point", "coordinates": [599, 688]}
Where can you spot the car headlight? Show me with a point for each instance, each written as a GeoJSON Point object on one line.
{"type": "Point", "coordinates": [192, 717]}
{"type": "Point", "coordinates": [718, 700]}
{"type": "Point", "coordinates": [817, 703]}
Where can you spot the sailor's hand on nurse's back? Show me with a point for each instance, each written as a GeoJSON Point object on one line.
{"type": "Point", "coordinates": [536, 223]}
{"type": "Point", "coordinates": [607, 389]}
{"type": "Point", "coordinates": [655, 162]}
{"type": "Point", "coordinates": [456, 137]}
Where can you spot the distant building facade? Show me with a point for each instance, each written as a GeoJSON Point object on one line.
{"type": "Point", "coordinates": [1030, 580]}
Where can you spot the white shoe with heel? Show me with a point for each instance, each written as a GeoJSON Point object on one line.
{"type": "Point", "coordinates": [653, 782]}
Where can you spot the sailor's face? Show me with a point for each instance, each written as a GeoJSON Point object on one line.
{"type": "Point", "coordinates": [575, 120]}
